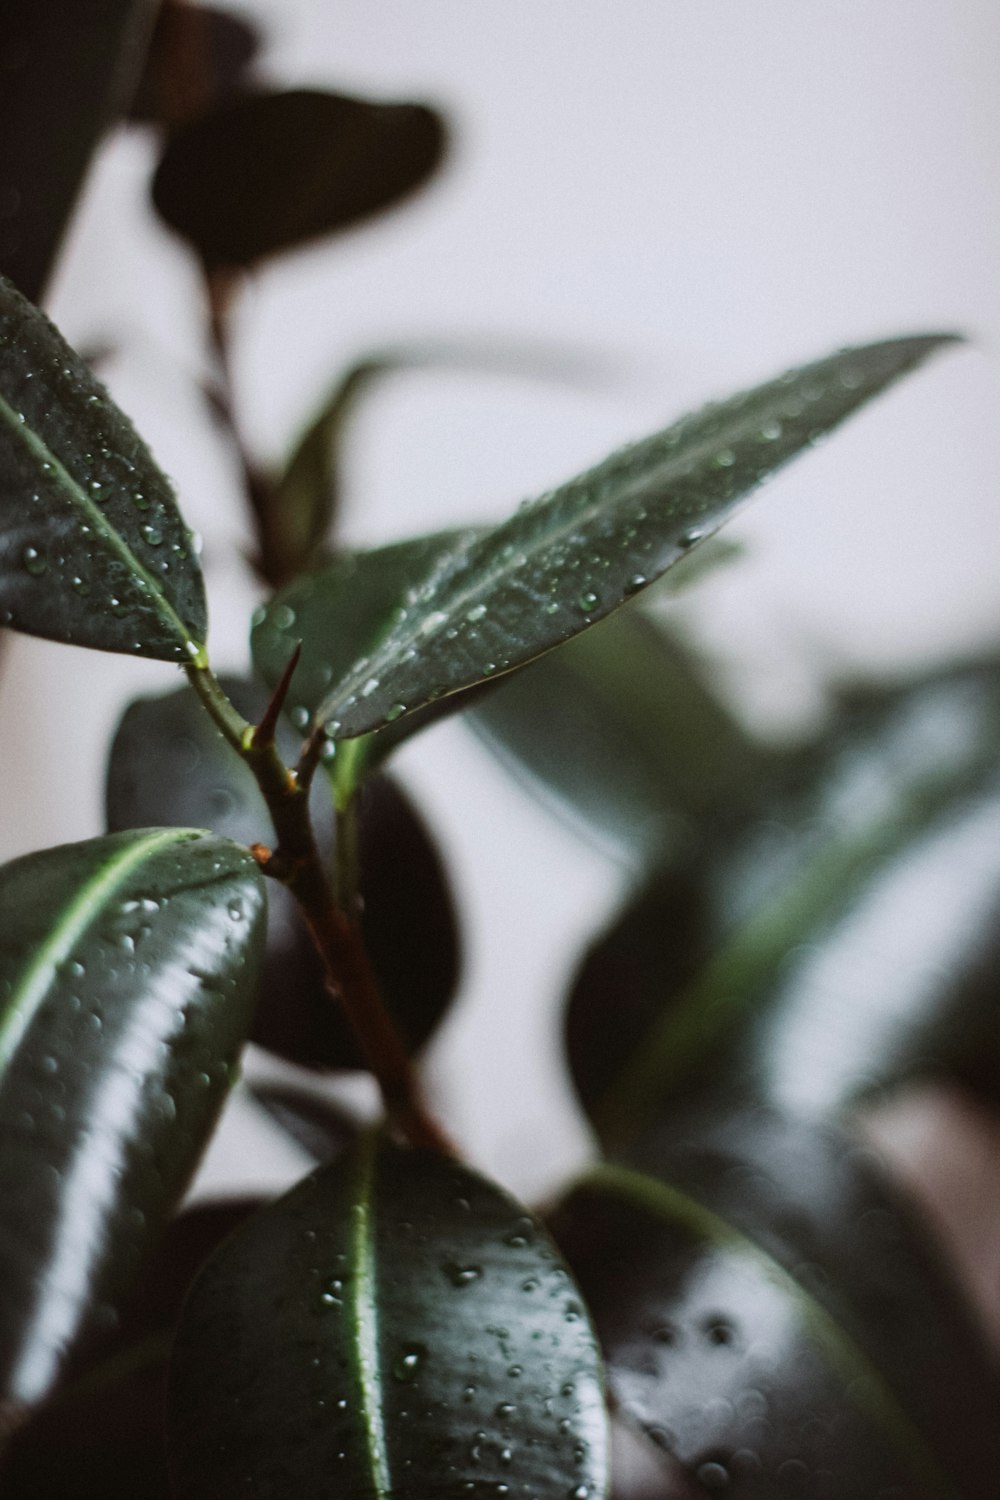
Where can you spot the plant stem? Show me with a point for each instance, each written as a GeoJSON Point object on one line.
{"type": "Point", "coordinates": [296, 862]}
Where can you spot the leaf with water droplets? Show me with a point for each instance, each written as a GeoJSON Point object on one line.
{"type": "Point", "coordinates": [92, 548]}
{"type": "Point", "coordinates": [830, 940]}
{"type": "Point", "coordinates": [496, 598]}
{"type": "Point", "coordinates": [394, 1325]}
{"type": "Point", "coordinates": [266, 172]}
{"type": "Point", "coordinates": [127, 969]}
{"type": "Point", "coordinates": [774, 1317]}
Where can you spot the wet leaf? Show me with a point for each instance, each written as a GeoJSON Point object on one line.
{"type": "Point", "coordinates": [399, 1323]}
{"type": "Point", "coordinates": [268, 172]}
{"type": "Point", "coordinates": [92, 548]}
{"type": "Point", "coordinates": [127, 969]}
{"type": "Point", "coordinates": [491, 600]}
{"type": "Point", "coordinates": [67, 71]}
{"type": "Point", "coordinates": [838, 943]}
{"type": "Point", "coordinates": [773, 1317]}
{"type": "Point", "coordinates": [622, 732]}
{"type": "Point", "coordinates": [169, 765]}
{"type": "Point", "coordinates": [197, 56]}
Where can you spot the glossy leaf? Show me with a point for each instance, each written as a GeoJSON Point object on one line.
{"type": "Point", "coordinates": [92, 548]}
{"type": "Point", "coordinates": [270, 171]}
{"type": "Point", "coordinates": [197, 56]}
{"type": "Point", "coordinates": [772, 1316]}
{"type": "Point", "coordinates": [395, 1324]}
{"type": "Point", "coordinates": [493, 599]}
{"type": "Point", "coordinates": [102, 1435]}
{"type": "Point", "coordinates": [68, 70]}
{"type": "Point", "coordinates": [621, 730]}
{"type": "Point", "coordinates": [169, 765]}
{"type": "Point", "coordinates": [127, 969]}
{"type": "Point", "coordinates": [838, 943]}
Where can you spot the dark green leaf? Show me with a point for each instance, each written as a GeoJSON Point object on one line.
{"type": "Point", "coordinates": [269, 171]}
{"type": "Point", "coordinates": [620, 728]}
{"type": "Point", "coordinates": [67, 70]}
{"type": "Point", "coordinates": [841, 941]}
{"type": "Point", "coordinates": [102, 1436]}
{"type": "Point", "coordinates": [772, 1316]}
{"type": "Point", "coordinates": [396, 1325]}
{"type": "Point", "coordinates": [127, 969]}
{"type": "Point", "coordinates": [196, 56]}
{"type": "Point", "coordinates": [92, 548]}
{"type": "Point", "coordinates": [314, 1122]}
{"type": "Point", "coordinates": [169, 765]}
{"type": "Point", "coordinates": [492, 600]}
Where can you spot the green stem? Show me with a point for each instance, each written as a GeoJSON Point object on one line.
{"type": "Point", "coordinates": [296, 862]}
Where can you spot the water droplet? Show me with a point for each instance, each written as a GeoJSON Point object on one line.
{"type": "Point", "coordinates": [476, 613]}
{"type": "Point", "coordinates": [506, 1456]}
{"type": "Point", "coordinates": [139, 501]}
{"type": "Point", "coordinates": [770, 432]}
{"type": "Point", "coordinates": [552, 608]}
{"type": "Point", "coordinates": [505, 1410]}
{"type": "Point", "coordinates": [152, 536]}
{"type": "Point", "coordinates": [433, 622]}
{"type": "Point", "coordinates": [300, 717]}
{"type": "Point", "coordinates": [34, 562]}
{"type": "Point", "coordinates": [461, 1276]}
{"type": "Point", "coordinates": [580, 1493]}
{"type": "Point", "coordinates": [530, 1285]}
{"type": "Point", "coordinates": [371, 686]}
{"type": "Point", "coordinates": [724, 459]}
{"type": "Point", "coordinates": [588, 600]}
{"type": "Point", "coordinates": [713, 1476]}
{"type": "Point", "coordinates": [410, 1358]}
{"type": "Point", "coordinates": [515, 1371]}
{"type": "Point", "coordinates": [333, 1293]}
{"type": "Point", "coordinates": [282, 617]}
{"type": "Point", "coordinates": [689, 538]}
{"type": "Point", "coordinates": [394, 711]}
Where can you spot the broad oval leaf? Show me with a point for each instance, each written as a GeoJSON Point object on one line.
{"type": "Point", "coordinates": [170, 765]}
{"type": "Point", "coordinates": [622, 732]}
{"type": "Point", "coordinates": [67, 71]}
{"type": "Point", "coordinates": [494, 599]}
{"type": "Point", "coordinates": [92, 548]}
{"type": "Point", "coordinates": [127, 970]}
{"type": "Point", "coordinates": [772, 1316]}
{"type": "Point", "coordinates": [837, 942]}
{"type": "Point", "coordinates": [269, 171]}
{"type": "Point", "coordinates": [395, 1324]}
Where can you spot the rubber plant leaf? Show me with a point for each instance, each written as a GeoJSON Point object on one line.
{"type": "Point", "coordinates": [93, 550]}
{"type": "Point", "coordinates": [127, 976]}
{"type": "Point", "coordinates": [395, 1321]}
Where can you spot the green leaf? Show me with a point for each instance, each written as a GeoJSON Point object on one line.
{"type": "Point", "coordinates": [773, 1317]}
{"type": "Point", "coordinates": [838, 942]}
{"type": "Point", "coordinates": [127, 968]}
{"type": "Point", "coordinates": [68, 70]}
{"type": "Point", "coordinates": [621, 730]}
{"type": "Point", "coordinates": [269, 171]}
{"type": "Point", "coordinates": [92, 548]}
{"type": "Point", "coordinates": [394, 1325]}
{"type": "Point", "coordinates": [492, 600]}
{"type": "Point", "coordinates": [170, 765]}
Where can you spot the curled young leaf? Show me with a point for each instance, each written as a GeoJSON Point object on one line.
{"type": "Point", "coordinates": [773, 1317]}
{"type": "Point", "coordinates": [92, 548]}
{"type": "Point", "coordinates": [489, 600]}
{"type": "Point", "coordinates": [267, 172]}
{"type": "Point", "coordinates": [395, 1322]}
{"type": "Point", "coordinates": [127, 974]}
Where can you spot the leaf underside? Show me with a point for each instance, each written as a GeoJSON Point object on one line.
{"type": "Point", "coordinates": [489, 600]}
{"type": "Point", "coordinates": [93, 550]}
{"type": "Point", "coordinates": [394, 1325]}
{"type": "Point", "coordinates": [127, 969]}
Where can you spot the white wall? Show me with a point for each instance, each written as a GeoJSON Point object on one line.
{"type": "Point", "coordinates": [697, 193]}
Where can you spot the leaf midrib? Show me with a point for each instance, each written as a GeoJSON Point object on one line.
{"type": "Point", "coordinates": [85, 906]}
{"type": "Point", "coordinates": [96, 517]}
{"type": "Point", "coordinates": [365, 1320]}
{"type": "Point", "coordinates": [864, 1384]}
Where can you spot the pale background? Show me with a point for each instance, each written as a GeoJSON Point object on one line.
{"type": "Point", "coordinates": [695, 194]}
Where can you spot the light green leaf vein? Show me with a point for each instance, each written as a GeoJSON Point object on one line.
{"type": "Point", "coordinates": [364, 1311]}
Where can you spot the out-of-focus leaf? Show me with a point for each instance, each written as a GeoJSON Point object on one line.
{"type": "Point", "coordinates": [494, 599]}
{"type": "Point", "coordinates": [127, 970]}
{"type": "Point", "coordinates": [67, 70]}
{"type": "Point", "coordinates": [621, 730]}
{"type": "Point", "coordinates": [269, 171]}
{"type": "Point", "coordinates": [92, 548]}
{"type": "Point", "coordinates": [197, 55]}
{"type": "Point", "coordinates": [306, 495]}
{"type": "Point", "coordinates": [395, 1322]}
{"type": "Point", "coordinates": [169, 765]}
{"type": "Point", "coordinates": [772, 1316]}
{"type": "Point", "coordinates": [102, 1436]}
{"type": "Point", "coordinates": [842, 941]}
{"type": "Point", "coordinates": [317, 1124]}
